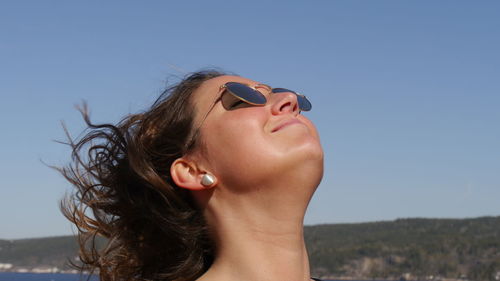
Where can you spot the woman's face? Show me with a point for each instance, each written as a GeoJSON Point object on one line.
{"type": "Point", "coordinates": [255, 145]}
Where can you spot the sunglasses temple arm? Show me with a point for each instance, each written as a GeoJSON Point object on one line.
{"type": "Point", "coordinates": [196, 131]}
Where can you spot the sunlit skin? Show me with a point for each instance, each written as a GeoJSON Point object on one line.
{"type": "Point", "coordinates": [264, 182]}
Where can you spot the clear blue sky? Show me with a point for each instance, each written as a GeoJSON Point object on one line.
{"type": "Point", "coordinates": [406, 94]}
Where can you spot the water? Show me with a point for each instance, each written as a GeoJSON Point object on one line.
{"type": "Point", "coordinates": [13, 276]}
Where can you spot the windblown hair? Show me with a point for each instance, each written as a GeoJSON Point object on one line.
{"type": "Point", "coordinates": [152, 229]}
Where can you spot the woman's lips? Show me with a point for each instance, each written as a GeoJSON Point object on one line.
{"type": "Point", "coordinates": [286, 123]}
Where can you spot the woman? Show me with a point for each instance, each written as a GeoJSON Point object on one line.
{"type": "Point", "coordinates": [211, 183]}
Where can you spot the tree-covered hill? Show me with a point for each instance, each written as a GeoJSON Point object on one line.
{"type": "Point", "coordinates": [408, 248]}
{"type": "Point", "coordinates": [52, 251]}
{"type": "Point", "coordinates": [420, 248]}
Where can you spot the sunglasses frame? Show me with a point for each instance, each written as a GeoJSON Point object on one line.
{"type": "Point", "coordinates": [269, 88]}
{"type": "Point", "coordinates": [224, 88]}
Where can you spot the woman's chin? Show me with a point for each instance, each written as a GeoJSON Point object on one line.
{"type": "Point", "coordinates": [311, 150]}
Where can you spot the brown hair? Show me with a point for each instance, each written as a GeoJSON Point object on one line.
{"type": "Point", "coordinates": [125, 194]}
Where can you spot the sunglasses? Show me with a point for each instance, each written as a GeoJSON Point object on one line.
{"type": "Point", "coordinates": [235, 95]}
{"type": "Point", "coordinates": [243, 94]}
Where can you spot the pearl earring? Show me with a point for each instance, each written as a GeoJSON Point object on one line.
{"type": "Point", "coordinates": [207, 180]}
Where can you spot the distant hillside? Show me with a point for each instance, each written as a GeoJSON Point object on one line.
{"type": "Point", "coordinates": [52, 251]}
{"type": "Point", "coordinates": [415, 248]}
{"type": "Point", "coordinates": [404, 248]}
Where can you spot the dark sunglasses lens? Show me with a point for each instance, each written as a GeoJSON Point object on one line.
{"type": "Point", "coordinates": [304, 103]}
{"type": "Point", "coordinates": [246, 93]}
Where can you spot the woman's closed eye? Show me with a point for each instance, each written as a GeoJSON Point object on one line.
{"type": "Point", "coordinates": [238, 104]}
{"type": "Point", "coordinates": [231, 102]}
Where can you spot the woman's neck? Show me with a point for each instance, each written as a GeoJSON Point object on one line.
{"type": "Point", "coordinates": [258, 247]}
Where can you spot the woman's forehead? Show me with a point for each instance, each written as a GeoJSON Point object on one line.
{"type": "Point", "coordinates": [209, 90]}
{"type": "Point", "coordinates": [215, 83]}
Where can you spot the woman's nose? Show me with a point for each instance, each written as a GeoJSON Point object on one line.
{"type": "Point", "coordinates": [285, 102]}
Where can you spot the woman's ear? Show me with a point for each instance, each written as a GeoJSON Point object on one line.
{"type": "Point", "coordinates": [186, 175]}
